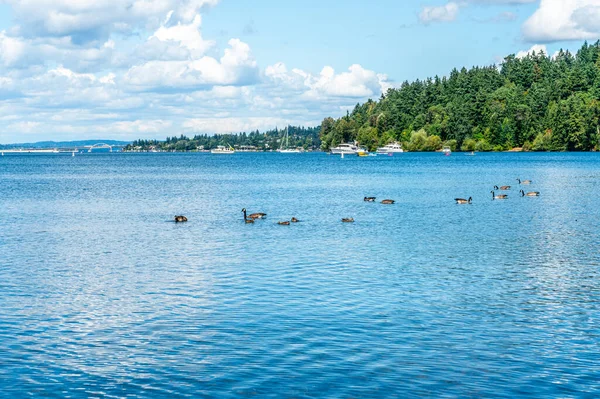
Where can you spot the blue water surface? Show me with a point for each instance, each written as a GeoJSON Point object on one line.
{"type": "Point", "coordinates": [102, 295]}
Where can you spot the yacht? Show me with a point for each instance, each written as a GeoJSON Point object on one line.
{"type": "Point", "coordinates": [446, 150]}
{"type": "Point", "coordinates": [392, 148]}
{"type": "Point", "coordinates": [347, 148]}
{"type": "Point", "coordinates": [221, 149]}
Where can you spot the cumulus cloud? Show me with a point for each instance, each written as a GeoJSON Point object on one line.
{"type": "Point", "coordinates": [12, 50]}
{"type": "Point", "coordinates": [536, 48]}
{"type": "Point", "coordinates": [62, 77]}
{"type": "Point", "coordinates": [356, 82]}
{"type": "Point", "coordinates": [444, 13]}
{"type": "Point", "coordinates": [88, 20]}
{"type": "Point", "coordinates": [557, 20]}
{"type": "Point", "coordinates": [236, 67]}
{"type": "Point", "coordinates": [186, 36]}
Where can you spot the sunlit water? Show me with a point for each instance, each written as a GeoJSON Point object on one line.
{"type": "Point", "coordinates": [101, 295]}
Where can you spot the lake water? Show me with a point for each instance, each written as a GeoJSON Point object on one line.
{"type": "Point", "coordinates": [101, 295]}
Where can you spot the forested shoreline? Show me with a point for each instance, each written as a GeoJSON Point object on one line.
{"type": "Point", "coordinates": [299, 136]}
{"type": "Point", "coordinates": [533, 103]}
{"type": "Point", "coordinates": [536, 103]}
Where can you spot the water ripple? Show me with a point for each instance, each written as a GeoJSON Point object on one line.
{"type": "Point", "coordinates": [101, 295]}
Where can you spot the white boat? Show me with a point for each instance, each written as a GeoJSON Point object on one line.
{"type": "Point", "coordinates": [221, 149]}
{"type": "Point", "coordinates": [284, 148]}
{"type": "Point", "coordinates": [391, 148]}
{"type": "Point", "coordinates": [446, 150]}
{"type": "Point", "coordinates": [347, 148]}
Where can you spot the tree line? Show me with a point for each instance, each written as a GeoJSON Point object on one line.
{"type": "Point", "coordinates": [536, 102]}
{"type": "Point", "coordinates": [299, 136]}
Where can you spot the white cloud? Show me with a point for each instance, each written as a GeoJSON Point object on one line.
{"type": "Point", "coordinates": [557, 20]}
{"type": "Point", "coordinates": [23, 127]}
{"type": "Point", "coordinates": [235, 124]}
{"type": "Point", "coordinates": [358, 82]}
{"type": "Point", "coordinates": [56, 85]}
{"type": "Point", "coordinates": [444, 13]}
{"type": "Point", "coordinates": [535, 48]}
{"type": "Point", "coordinates": [236, 67]}
{"type": "Point", "coordinates": [186, 35]}
{"type": "Point", "coordinates": [12, 50]}
{"type": "Point", "coordinates": [138, 126]}
{"type": "Point", "coordinates": [89, 20]}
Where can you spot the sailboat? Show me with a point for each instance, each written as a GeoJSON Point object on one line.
{"type": "Point", "coordinates": [284, 148]}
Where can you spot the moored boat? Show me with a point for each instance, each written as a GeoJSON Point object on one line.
{"type": "Point", "coordinates": [221, 149]}
{"type": "Point", "coordinates": [285, 148]}
{"type": "Point", "coordinates": [347, 148]}
{"type": "Point", "coordinates": [391, 148]}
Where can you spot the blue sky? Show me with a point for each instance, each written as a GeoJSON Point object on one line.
{"type": "Point", "coordinates": [74, 69]}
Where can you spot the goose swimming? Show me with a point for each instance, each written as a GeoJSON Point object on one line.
{"type": "Point", "coordinates": [463, 201]}
{"type": "Point", "coordinates": [530, 194]}
{"type": "Point", "coordinates": [499, 196]}
{"type": "Point", "coordinates": [246, 220]}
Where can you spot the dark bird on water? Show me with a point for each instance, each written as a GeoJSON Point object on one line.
{"type": "Point", "coordinates": [499, 196]}
{"type": "Point", "coordinates": [294, 220]}
{"type": "Point", "coordinates": [388, 202]}
{"type": "Point", "coordinates": [502, 188]}
{"type": "Point", "coordinates": [180, 219]}
{"type": "Point", "coordinates": [348, 220]}
{"type": "Point", "coordinates": [286, 223]}
{"type": "Point", "coordinates": [258, 215]}
{"type": "Point", "coordinates": [246, 217]}
{"type": "Point", "coordinates": [369, 199]}
{"type": "Point", "coordinates": [463, 201]}
{"type": "Point", "coordinates": [530, 194]}
{"type": "Point", "coordinates": [524, 181]}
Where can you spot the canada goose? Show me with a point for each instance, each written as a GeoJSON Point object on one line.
{"type": "Point", "coordinates": [294, 220]}
{"type": "Point", "coordinates": [500, 196]}
{"type": "Point", "coordinates": [286, 223]}
{"type": "Point", "coordinates": [348, 220]}
{"type": "Point", "coordinates": [502, 188]}
{"type": "Point", "coordinates": [530, 194]}
{"type": "Point", "coordinates": [258, 215]}
{"type": "Point", "coordinates": [369, 199]}
{"type": "Point", "coordinates": [246, 218]}
{"type": "Point", "coordinates": [524, 181]}
{"type": "Point", "coordinates": [388, 201]}
{"type": "Point", "coordinates": [180, 219]}
{"type": "Point", "coordinates": [463, 201]}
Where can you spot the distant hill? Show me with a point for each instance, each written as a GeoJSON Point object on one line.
{"type": "Point", "coordinates": [63, 144]}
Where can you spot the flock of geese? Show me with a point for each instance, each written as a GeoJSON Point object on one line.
{"type": "Point", "coordinates": [463, 201]}
{"type": "Point", "coordinates": [256, 216]}
{"type": "Point", "coordinates": [251, 218]}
